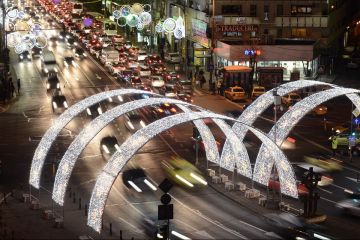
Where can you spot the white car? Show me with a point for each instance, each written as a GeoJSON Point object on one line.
{"type": "Point", "coordinates": [115, 68]}
{"type": "Point", "coordinates": [144, 71]}
{"type": "Point", "coordinates": [350, 206]}
{"type": "Point", "coordinates": [173, 57]}
{"type": "Point", "coordinates": [157, 81]}
{"type": "Point", "coordinates": [142, 55]}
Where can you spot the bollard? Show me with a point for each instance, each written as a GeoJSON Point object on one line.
{"type": "Point", "coordinates": [121, 235]}
{"type": "Point", "coordinates": [86, 210]}
{"type": "Point", "coordinates": [110, 229]}
{"type": "Point", "coordinates": [79, 203]}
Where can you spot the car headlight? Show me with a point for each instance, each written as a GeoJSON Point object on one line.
{"type": "Point", "coordinates": [66, 64]}
{"type": "Point", "coordinates": [105, 148]}
{"type": "Point", "coordinates": [88, 111]}
{"type": "Point", "coordinates": [58, 85]}
{"type": "Point", "coordinates": [65, 104]}
{"type": "Point", "coordinates": [142, 123]}
{"type": "Point", "coordinates": [130, 125]}
{"type": "Point", "coordinates": [46, 70]}
{"type": "Point", "coordinates": [48, 86]}
{"type": "Point", "coordinates": [99, 110]}
{"type": "Point", "coordinates": [21, 57]}
{"type": "Point", "coordinates": [55, 70]}
{"type": "Point", "coordinates": [54, 105]}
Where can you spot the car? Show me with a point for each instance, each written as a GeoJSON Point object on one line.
{"type": "Point", "coordinates": [352, 194]}
{"type": "Point", "coordinates": [290, 99]}
{"type": "Point", "coordinates": [91, 43]}
{"type": "Point", "coordinates": [85, 39]}
{"type": "Point", "coordinates": [257, 91]}
{"type": "Point", "coordinates": [52, 82]}
{"type": "Point", "coordinates": [70, 42]}
{"type": "Point", "coordinates": [135, 80]}
{"type": "Point", "coordinates": [141, 55]}
{"type": "Point", "coordinates": [95, 49]}
{"type": "Point", "coordinates": [162, 110]}
{"type": "Point", "coordinates": [117, 39]}
{"type": "Point", "coordinates": [185, 86]}
{"type": "Point", "coordinates": [135, 178]}
{"type": "Point", "coordinates": [143, 71]}
{"type": "Point", "coordinates": [108, 146]}
{"type": "Point", "coordinates": [185, 97]}
{"type": "Point", "coordinates": [125, 75]}
{"type": "Point", "coordinates": [25, 55]}
{"type": "Point", "coordinates": [69, 61]}
{"type": "Point", "coordinates": [345, 127]}
{"type": "Point", "coordinates": [128, 44]}
{"type": "Point", "coordinates": [157, 68]}
{"type": "Point", "coordinates": [36, 51]}
{"type": "Point", "coordinates": [183, 173]}
{"type": "Point", "coordinates": [170, 76]}
{"type": "Point", "coordinates": [106, 42]}
{"type": "Point", "coordinates": [343, 137]}
{"type": "Point", "coordinates": [235, 93]}
{"type": "Point", "coordinates": [172, 57]}
{"type": "Point", "coordinates": [79, 52]}
{"type": "Point", "coordinates": [350, 206]}
{"type": "Point", "coordinates": [132, 63]}
{"type": "Point", "coordinates": [59, 103]}
{"type": "Point", "coordinates": [94, 110]}
{"type": "Point", "coordinates": [169, 89]}
{"type": "Point", "coordinates": [115, 68]}
{"type": "Point", "coordinates": [133, 121]}
{"type": "Point", "coordinates": [324, 161]}
{"type": "Point", "coordinates": [274, 184]}
{"type": "Point", "coordinates": [153, 59]}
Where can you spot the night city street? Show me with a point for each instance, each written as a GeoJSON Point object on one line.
{"type": "Point", "coordinates": [177, 119]}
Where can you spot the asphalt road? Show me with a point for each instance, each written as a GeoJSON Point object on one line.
{"type": "Point", "coordinates": [198, 214]}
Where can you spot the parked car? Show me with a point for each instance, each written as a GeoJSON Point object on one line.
{"type": "Point", "coordinates": [173, 57]}
{"type": "Point", "coordinates": [235, 93]}
{"type": "Point", "coordinates": [257, 91]}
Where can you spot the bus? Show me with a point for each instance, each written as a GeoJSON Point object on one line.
{"type": "Point", "coordinates": [78, 8]}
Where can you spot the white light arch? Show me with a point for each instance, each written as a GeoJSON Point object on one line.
{"type": "Point", "coordinates": [141, 137]}
{"type": "Point", "coordinates": [285, 124]}
{"type": "Point", "coordinates": [50, 136]}
{"type": "Point", "coordinates": [68, 161]}
{"type": "Point", "coordinates": [253, 111]}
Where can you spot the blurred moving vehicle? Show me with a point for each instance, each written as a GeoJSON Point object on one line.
{"type": "Point", "coordinates": [319, 110]}
{"type": "Point", "coordinates": [59, 103]}
{"type": "Point", "coordinates": [257, 91]}
{"type": "Point", "coordinates": [324, 161]}
{"type": "Point", "coordinates": [153, 59]}
{"type": "Point", "coordinates": [135, 178]}
{"type": "Point", "coordinates": [94, 110]}
{"type": "Point", "coordinates": [302, 168]}
{"type": "Point", "coordinates": [25, 55]}
{"type": "Point", "coordinates": [185, 86]}
{"type": "Point", "coordinates": [350, 206]}
{"type": "Point", "coordinates": [48, 62]}
{"type": "Point", "coordinates": [183, 173]}
{"type": "Point", "coordinates": [162, 110]}
{"type": "Point", "coordinates": [79, 52]}
{"type": "Point", "coordinates": [345, 126]}
{"type": "Point", "coordinates": [133, 121]}
{"type": "Point", "coordinates": [108, 146]}
{"type": "Point", "coordinates": [69, 61]}
{"type": "Point", "coordinates": [36, 51]}
{"type": "Point", "coordinates": [185, 97]}
{"type": "Point", "coordinates": [53, 82]}
{"type": "Point", "coordinates": [235, 93]}
{"type": "Point", "coordinates": [157, 81]}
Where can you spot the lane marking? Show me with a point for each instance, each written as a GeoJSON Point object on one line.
{"type": "Point", "coordinates": [324, 190]}
{"type": "Point", "coordinates": [353, 179]}
{"type": "Point", "coordinates": [131, 225]}
{"type": "Point", "coordinates": [328, 200]}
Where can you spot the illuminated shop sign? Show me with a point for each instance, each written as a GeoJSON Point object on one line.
{"type": "Point", "coordinates": [237, 28]}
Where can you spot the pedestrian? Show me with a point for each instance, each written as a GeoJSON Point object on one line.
{"type": "Point", "coordinates": [334, 144]}
{"type": "Point", "coordinates": [12, 89]}
{"type": "Point", "coordinates": [190, 75]}
{"type": "Point", "coordinates": [18, 85]}
{"type": "Point", "coordinates": [202, 81]}
{"type": "Point", "coordinates": [222, 88]}
{"type": "Point", "coordinates": [218, 86]}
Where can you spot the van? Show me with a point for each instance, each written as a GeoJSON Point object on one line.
{"type": "Point", "coordinates": [48, 62]}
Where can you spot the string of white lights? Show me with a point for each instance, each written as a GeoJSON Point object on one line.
{"type": "Point", "coordinates": [89, 132]}
{"type": "Point", "coordinates": [141, 137]}
{"type": "Point", "coordinates": [287, 122]}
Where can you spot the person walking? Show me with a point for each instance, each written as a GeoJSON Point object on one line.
{"type": "Point", "coordinates": [12, 89]}
{"type": "Point", "coordinates": [218, 86]}
{"type": "Point", "coordinates": [18, 85]}
{"type": "Point", "coordinates": [202, 80]}
{"type": "Point", "coordinates": [334, 144]}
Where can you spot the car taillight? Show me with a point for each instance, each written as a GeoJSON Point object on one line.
{"type": "Point", "coordinates": [173, 110]}
{"type": "Point", "coordinates": [160, 110]}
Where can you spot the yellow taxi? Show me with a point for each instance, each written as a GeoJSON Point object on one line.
{"type": "Point", "coordinates": [328, 163]}
{"type": "Point", "coordinates": [183, 173]}
{"type": "Point", "coordinates": [319, 110]}
{"type": "Point", "coordinates": [235, 93]}
{"type": "Point", "coordinates": [257, 91]}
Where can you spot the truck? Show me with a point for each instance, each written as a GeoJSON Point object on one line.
{"type": "Point", "coordinates": [48, 62]}
{"type": "Point", "coordinates": [109, 55]}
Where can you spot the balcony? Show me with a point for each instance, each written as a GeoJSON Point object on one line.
{"type": "Point", "coordinates": [307, 21]}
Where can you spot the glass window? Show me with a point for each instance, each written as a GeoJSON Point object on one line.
{"type": "Point", "coordinates": [231, 9]}
{"type": "Point", "coordinates": [279, 10]}
{"type": "Point", "coordinates": [253, 10]}
{"type": "Point", "coordinates": [295, 9]}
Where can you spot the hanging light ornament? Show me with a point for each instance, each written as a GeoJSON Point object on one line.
{"type": "Point", "coordinates": [132, 20]}
{"type": "Point", "coordinates": [145, 18]}
{"type": "Point", "coordinates": [169, 25]}
{"type": "Point", "coordinates": [137, 8]}
{"type": "Point", "coordinates": [125, 10]}
{"type": "Point", "coordinates": [140, 26]}
{"type": "Point", "coordinates": [147, 7]}
{"type": "Point", "coordinates": [121, 21]}
{"type": "Point", "coordinates": [116, 14]}
{"type": "Point", "coordinates": [159, 28]}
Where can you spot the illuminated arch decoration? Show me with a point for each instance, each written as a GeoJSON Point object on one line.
{"type": "Point", "coordinates": [253, 111]}
{"type": "Point", "coordinates": [68, 161]}
{"type": "Point", "coordinates": [135, 142]}
{"type": "Point", "coordinates": [285, 124]}
{"type": "Point", "coordinates": [51, 134]}
{"type": "Point", "coordinates": [169, 25]}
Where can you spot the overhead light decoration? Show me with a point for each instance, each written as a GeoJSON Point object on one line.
{"type": "Point", "coordinates": [87, 22]}
{"type": "Point", "coordinates": [159, 28]}
{"type": "Point", "coordinates": [56, 2]}
{"type": "Point", "coordinates": [170, 25]}
{"type": "Point", "coordinates": [136, 15]}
